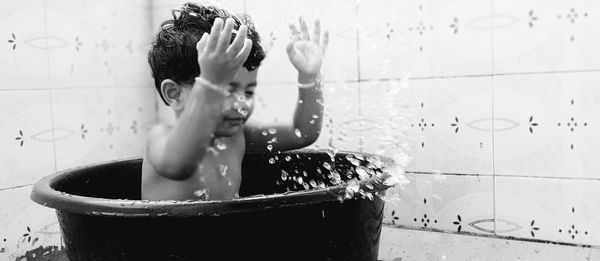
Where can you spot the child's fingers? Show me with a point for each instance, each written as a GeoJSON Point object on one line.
{"type": "Point", "coordinates": [215, 32]}
{"type": "Point", "coordinates": [316, 37]}
{"type": "Point", "coordinates": [201, 43]}
{"type": "Point", "coordinates": [225, 36]}
{"type": "Point", "coordinates": [238, 42]}
{"type": "Point", "coordinates": [303, 30]}
{"type": "Point", "coordinates": [295, 32]}
{"type": "Point", "coordinates": [243, 55]}
{"type": "Point", "coordinates": [324, 42]}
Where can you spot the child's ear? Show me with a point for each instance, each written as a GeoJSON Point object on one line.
{"type": "Point", "coordinates": [172, 92]}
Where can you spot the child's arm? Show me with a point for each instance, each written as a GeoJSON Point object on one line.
{"type": "Point", "coordinates": [306, 54]}
{"type": "Point", "coordinates": [175, 152]}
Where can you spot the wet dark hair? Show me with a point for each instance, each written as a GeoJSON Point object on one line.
{"type": "Point", "coordinates": [173, 53]}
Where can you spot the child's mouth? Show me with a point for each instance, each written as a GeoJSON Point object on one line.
{"type": "Point", "coordinates": [235, 121]}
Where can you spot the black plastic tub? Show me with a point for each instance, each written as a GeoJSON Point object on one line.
{"type": "Point", "coordinates": [102, 217]}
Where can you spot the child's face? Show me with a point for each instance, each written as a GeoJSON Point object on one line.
{"type": "Point", "coordinates": [239, 106]}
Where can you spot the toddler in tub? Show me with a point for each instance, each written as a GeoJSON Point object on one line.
{"type": "Point", "coordinates": [205, 63]}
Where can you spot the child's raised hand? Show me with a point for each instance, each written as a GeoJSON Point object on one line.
{"type": "Point", "coordinates": [306, 51]}
{"type": "Point", "coordinates": [219, 61]}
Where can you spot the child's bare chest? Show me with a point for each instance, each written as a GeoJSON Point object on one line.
{"type": "Point", "coordinates": [219, 173]}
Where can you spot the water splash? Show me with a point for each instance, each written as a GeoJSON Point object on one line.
{"type": "Point", "coordinates": [272, 131]}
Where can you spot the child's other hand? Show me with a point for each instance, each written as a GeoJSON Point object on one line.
{"type": "Point", "coordinates": [306, 51]}
{"type": "Point", "coordinates": [219, 61]}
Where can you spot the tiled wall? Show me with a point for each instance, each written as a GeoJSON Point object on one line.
{"type": "Point", "coordinates": [75, 89]}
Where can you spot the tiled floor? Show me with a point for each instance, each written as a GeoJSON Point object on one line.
{"type": "Point", "coordinates": [401, 244]}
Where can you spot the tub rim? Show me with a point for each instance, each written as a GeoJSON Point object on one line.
{"type": "Point", "coordinates": [44, 194]}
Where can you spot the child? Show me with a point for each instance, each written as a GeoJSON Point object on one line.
{"type": "Point", "coordinates": [209, 80]}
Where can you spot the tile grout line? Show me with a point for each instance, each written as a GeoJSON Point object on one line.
{"type": "Point", "coordinates": [499, 175]}
{"type": "Point", "coordinates": [493, 115]}
{"type": "Point", "coordinates": [50, 84]}
{"type": "Point", "coordinates": [15, 187]}
{"type": "Point", "coordinates": [494, 236]}
{"type": "Point", "coordinates": [416, 78]}
{"type": "Point", "coordinates": [360, 136]}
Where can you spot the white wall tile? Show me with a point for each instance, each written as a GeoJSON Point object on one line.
{"type": "Point", "coordinates": [101, 124]}
{"type": "Point", "coordinates": [451, 125]}
{"type": "Point", "coordinates": [456, 203]}
{"type": "Point", "coordinates": [424, 38]}
{"type": "Point", "coordinates": [546, 36]}
{"type": "Point", "coordinates": [401, 244]}
{"type": "Point", "coordinates": [561, 210]}
{"type": "Point", "coordinates": [26, 149]}
{"type": "Point", "coordinates": [25, 225]}
{"type": "Point", "coordinates": [23, 56]}
{"type": "Point", "coordinates": [94, 47]}
{"type": "Point", "coordinates": [539, 112]}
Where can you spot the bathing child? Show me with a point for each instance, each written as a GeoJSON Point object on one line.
{"type": "Point", "coordinates": [205, 63]}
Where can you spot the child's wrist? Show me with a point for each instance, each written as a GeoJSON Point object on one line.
{"type": "Point", "coordinates": [307, 81]}
{"type": "Point", "coordinates": [209, 85]}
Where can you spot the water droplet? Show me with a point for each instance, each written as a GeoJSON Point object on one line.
{"type": "Point", "coordinates": [271, 160]}
{"type": "Point", "coordinates": [223, 170]}
{"type": "Point", "coordinates": [326, 165]}
{"type": "Point", "coordinates": [313, 183]}
{"type": "Point", "coordinates": [300, 101]}
{"type": "Point", "coordinates": [284, 175]}
{"type": "Point", "coordinates": [202, 194]}
{"type": "Point", "coordinates": [264, 133]}
{"type": "Point", "coordinates": [312, 122]}
{"type": "Point", "coordinates": [299, 180]}
{"type": "Point", "coordinates": [304, 173]}
{"type": "Point", "coordinates": [362, 172]}
{"type": "Point", "coordinates": [352, 188]}
{"type": "Point", "coordinates": [352, 160]}
{"type": "Point", "coordinates": [212, 150]}
{"type": "Point", "coordinates": [305, 185]}
{"type": "Point", "coordinates": [220, 144]}
{"type": "Point", "coordinates": [288, 158]}
{"type": "Point", "coordinates": [269, 147]}
{"type": "Point", "coordinates": [272, 131]}
{"type": "Point", "coordinates": [336, 179]}
{"type": "Point", "coordinates": [314, 116]}
{"type": "Point", "coordinates": [298, 133]}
